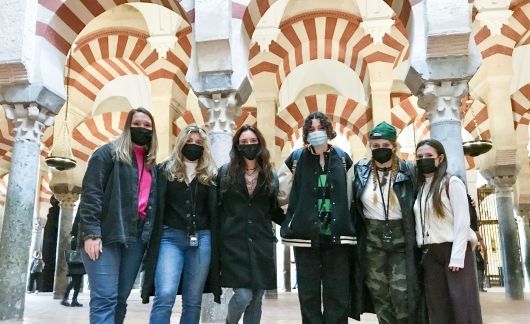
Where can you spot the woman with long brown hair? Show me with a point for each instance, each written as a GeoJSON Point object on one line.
{"type": "Point", "coordinates": [443, 231]}
{"type": "Point", "coordinates": [180, 249]}
{"type": "Point", "coordinates": [117, 206]}
{"type": "Point", "coordinates": [247, 205]}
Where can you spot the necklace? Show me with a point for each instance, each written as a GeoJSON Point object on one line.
{"type": "Point", "coordinates": [252, 171]}
{"type": "Point", "coordinates": [251, 180]}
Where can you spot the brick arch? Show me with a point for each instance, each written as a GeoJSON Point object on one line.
{"type": "Point", "coordinates": [94, 132]}
{"type": "Point", "coordinates": [60, 21]}
{"type": "Point", "coordinates": [340, 110]}
{"type": "Point", "coordinates": [325, 35]}
{"type": "Point", "coordinates": [521, 106]}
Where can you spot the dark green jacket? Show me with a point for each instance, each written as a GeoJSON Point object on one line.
{"type": "Point", "coordinates": [405, 188]}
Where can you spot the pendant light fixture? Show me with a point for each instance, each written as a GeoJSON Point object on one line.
{"type": "Point", "coordinates": [478, 146]}
{"type": "Point", "coordinates": [61, 157]}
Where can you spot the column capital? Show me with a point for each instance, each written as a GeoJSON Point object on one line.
{"type": "Point", "coordinates": [442, 99]}
{"type": "Point", "coordinates": [222, 110]}
{"type": "Point", "coordinates": [67, 195]}
{"type": "Point", "coordinates": [30, 120]}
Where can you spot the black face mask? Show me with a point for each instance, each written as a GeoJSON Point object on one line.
{"type": "Point", "coordinates": [382, 154]}
{"type": "Point", "coordinates": [426, 165]}
{"type": "Point", "coordinates": [192, 152]}
{"type": "Point", "coordinates": [141, 136]}
{"type": "Point", "coordinates": [249, 151]}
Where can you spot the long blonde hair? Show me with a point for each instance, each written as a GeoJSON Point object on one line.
{"type": "Point", "coordinates": [123, 146]}
{"type": "Point", "coordinates": [174, 165]}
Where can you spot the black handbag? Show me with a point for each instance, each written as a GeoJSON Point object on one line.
{"type": "Point", "coordinates": [73, 256]}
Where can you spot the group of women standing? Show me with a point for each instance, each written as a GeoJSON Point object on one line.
{"type": "Point", "coordinates": [381, 224]}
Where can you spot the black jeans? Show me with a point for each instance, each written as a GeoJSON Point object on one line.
{"type": "Point", "coordinates": [34, 281]}
{"type": "Point", "coordinates": [75, 283]}
{"type": "Point", "coordinates": [323, 275]}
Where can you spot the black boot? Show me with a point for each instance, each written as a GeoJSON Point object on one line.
{"type": "Point", "coordinates": [64, 302]}
{"type": "Point", "coordinates": [75, 303]}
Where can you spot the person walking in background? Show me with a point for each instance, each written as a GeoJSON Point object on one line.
{"type": "Point", "coordinates": [443, 231]}
{"type": "Point", "coordinates": [180, 249]}
{"type": "Point", "coordinates": [248, 205]}
{"type": "Point", "coordinates": [76, 270]}
{"type": "Point", "coordinates": [316, 182]}
{"type": "Point", "coordinates": [35, 276]}
{"type": "Point", "coordinates": [384, 189]}
{"type": "Point", "coordinates": [116, 210]}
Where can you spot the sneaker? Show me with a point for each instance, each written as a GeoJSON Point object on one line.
{"type": "Point", "coordinates": [75, 303]}
{"type": "Point", "coordinates": [65, 303]}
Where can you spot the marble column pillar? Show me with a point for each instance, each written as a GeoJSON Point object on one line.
{"type": "Point", "coordinates": [442, 101]}
{"type": "Point", "coordinates": [222, 110]}
{"type": "Point", "coordinates": [524, 234]}
{"type": "Point", "coordinates": [67, 202]}
{"type": "Point", "coordinates": [29, 122]}
{"type": "Point", "coordinates": [511, 255]}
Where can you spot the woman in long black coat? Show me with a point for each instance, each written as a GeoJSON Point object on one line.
{"type": "Point", "coordinates": [247, 206]}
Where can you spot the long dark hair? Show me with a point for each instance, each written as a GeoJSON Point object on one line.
{"type": "Point", "coordinates": [439, 175]}
{"type": "Point", "coordinates": [237, 161]}
{"type": "Point", "coordinates": [324, 121]}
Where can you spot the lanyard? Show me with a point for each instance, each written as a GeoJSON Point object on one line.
{"type": "Point", "coordinates": [423, 220]}
{"type": "Point", "coordinates": [386, 205]}
{"type": "Point", "coordinates": [193, 200]}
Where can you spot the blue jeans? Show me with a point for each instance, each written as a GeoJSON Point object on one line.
{"type": "Point", "coordinates": [246, 301]}
{"type": "Point", "coordinates": [111, 278]}
{"type": "Point", "coordinates": [177, 260]}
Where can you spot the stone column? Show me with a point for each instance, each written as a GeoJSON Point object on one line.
{"type": "Point", "coordinates": [524, 233]}
{"type": "Point", "coordinates": [442, 101]}
{"type": "Point", "coordinates": [222, 110]}
{"type": "Point", "coordinates": [29, 122]}
{"type": "Point", "coordinates": [266, 118]}
{"type": "Point", "coordinates": [67, 202]}
{"type": "Point", "coordinates": [511, 256]}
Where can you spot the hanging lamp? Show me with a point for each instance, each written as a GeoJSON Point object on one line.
{"type": "Point", "coordinates": [478, 146]}
{"type": "Point", "coordinates": [60, 157]}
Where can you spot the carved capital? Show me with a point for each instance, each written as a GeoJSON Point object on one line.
{"type": "Point", "coordinates": [222, 111]}
{"type": "Point", "coordinates": [67, 200]}
{"type": "Point", "coordinates": [29, 120]}
{"type": "Point", "coordinates": [442, 100]}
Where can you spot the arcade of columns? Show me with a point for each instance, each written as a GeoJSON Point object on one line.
{"type": "Point", "coordinates": [224, 63]}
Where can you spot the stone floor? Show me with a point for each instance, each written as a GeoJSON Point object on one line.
{"type": "Point", "coordinates": [42, 308]}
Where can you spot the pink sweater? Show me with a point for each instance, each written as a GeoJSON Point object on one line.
{"type": "Point", "coordinates": [144, 181]}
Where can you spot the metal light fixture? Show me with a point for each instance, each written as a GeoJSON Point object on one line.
{"type": "Point", "coordinates": [62, 158]}
{"type": "Point", "coordinates": [478, 146]}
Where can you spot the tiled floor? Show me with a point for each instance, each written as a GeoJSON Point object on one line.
{"type": "Point", "coordinates": [41, 309]}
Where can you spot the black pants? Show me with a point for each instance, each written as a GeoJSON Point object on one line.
{"type": "Point", "coordinates": [452, 297]}
{"type": "Point", "coordinates": [75, 283]}
{"type": "Point", "coordinates": [323, 275]}
{"type": "Point", "coordinates": [34, 281]}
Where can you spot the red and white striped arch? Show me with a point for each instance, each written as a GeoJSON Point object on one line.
{"type": "Point", "coordinates": [353, 117]}
{"type": "Point", "coordinates": [330, 35]}
{"type": "Point", "coordinates": [45, 193]}
{"type": "Point", "coordinates": [513, 33]}
{"type": "Point", "coordinates": [478, 125]}
{"type": "Point", "coordinates": [521, 106]}
{"type": "Point", "coordinates": [60, 21]}
{"type": "Point", "coordinates": [3, 189]}
{"type": "Point", "coordinates": [256, 9]}
{"type": "Point", "coordinates": [107, 55]}
{"type": "Point", "coordinates": [96, 131]}
{"type": "Point", "coordinates": [405, 113]}
{"type": "Point", "coordinates": [200, 117]}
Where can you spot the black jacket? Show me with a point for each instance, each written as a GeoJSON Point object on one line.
{"type": "Point", "coordinates": [405, 188]}
{"type": "Point", "coordinates": [301, 225]}
{"type": "Point", "coordinates": [247, 240]}
{"type": "Point", "coordinates": [151, 257]}
{"type": "Point", "coordinates": [109, 200]}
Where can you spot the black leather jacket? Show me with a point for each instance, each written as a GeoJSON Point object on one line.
{"type": "Point", "coordinates": [109, 200]}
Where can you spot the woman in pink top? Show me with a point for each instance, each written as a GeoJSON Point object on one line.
{"type": "Point", "coordinates": [118, 199]}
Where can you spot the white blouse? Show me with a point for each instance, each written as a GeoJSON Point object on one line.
{"type": "Point", "coordinates": [376, 211]}
{"type": "Point", "coordinates": [453, 227]}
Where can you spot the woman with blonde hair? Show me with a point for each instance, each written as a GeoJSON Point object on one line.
{"type": "Point", "coordinates": [118, 198]}
{"type": "Point", "coordinates": [181, 245]}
